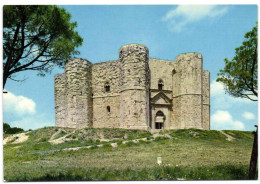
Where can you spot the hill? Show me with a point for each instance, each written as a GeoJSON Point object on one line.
{"type": "Point", "coordinates": [64, 154]}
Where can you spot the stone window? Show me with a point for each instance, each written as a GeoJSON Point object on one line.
{"type": "Point", "coordinates": [108, 108]}
{"type": "Point", "coordinates": [173, 71]}
{"type": "Point", "coordinates": [107, 87]}
{"type": "Point", "coordinates": [160, 84]}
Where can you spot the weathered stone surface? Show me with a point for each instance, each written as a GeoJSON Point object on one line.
{"type": "Point", "coordinates": [101, 117]}
{"type": "Point", "coordinates": [134, 87]}
{"type": "Point", "coordinates": [135, 92]}
{"type": "Point", "coordinates": [106, 73]}
{"type": "Point", "coordinates": [78, 93]}
{"type": "Point", "coordinates": [60, 100]}
{"type": "Point", "coordinates": [161, 69]}
{"type": "Point", "coordinates": [206, 99]}
{"type": "Point", "coordinates": [187, 90]}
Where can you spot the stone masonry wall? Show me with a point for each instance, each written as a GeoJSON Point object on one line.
{"type": "Point", "coordinates": [102, 73]}
{"type": "Point", "coordinates": [161, 69]}
{"type": "Point", "coordinates": [134, 87]}
{"type": "Point", "coordinates": [79, 93]}
{"type": "Point", "coordinates": [105, 72]}
{"type": "Point", "coordinates": [82, 101]}
{"type": "Point", "coordinates": [60, 100]}
{"type": "Point", "coordinates": [187, 90]}
{"type": "Point", "coordinates": [206, 100]}
{"type": "Point", "coordinates": [102, 118]}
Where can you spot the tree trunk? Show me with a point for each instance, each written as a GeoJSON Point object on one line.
{"type": "Point", "coordinates": [253, 161]}
{"type": "Point", "coordinates": [5, 76]}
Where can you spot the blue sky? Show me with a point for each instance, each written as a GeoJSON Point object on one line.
{"type": "Point", "coordinates": [213, 31]}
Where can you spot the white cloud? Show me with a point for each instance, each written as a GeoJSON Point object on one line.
{"type": "Point", "coordinates": [220, 100]}
{"type": "Point", "coordinates": [222, 120]}
{"type": "Point", "coordinates": [248, 115]}
{"type": "Point", "coordinates": [179, 17]}
{"type": "Point", "coordinates": [18, 105]}
{"type": "Point", "coordinates": [32, 122]}
{"type": "Point", "coordinates": [216, 88]}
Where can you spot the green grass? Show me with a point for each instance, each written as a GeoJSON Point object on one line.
{"type": "Point", "coordinates": [225, 172]}
{"type": "Point", "coordinates": [240, 135]}
{"type": "Point", "coordinates": [61, 134]}
{"type": "Point", "coordinates": [191, 154]}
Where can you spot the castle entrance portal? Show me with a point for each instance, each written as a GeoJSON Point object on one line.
{"type": "Point", "coordinates": [159, 120]}
{"type": "Point", "coordinates": [160, 107]}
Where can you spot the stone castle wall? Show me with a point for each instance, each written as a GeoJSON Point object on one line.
{"type": "Point", "coordinates": [81, 98]}
{"type": "Point", "coordinates": [187, 90]}
{"type": "Point", "coordinates": [134, 87]}
{"type": "Point", "coordinates": [79, 93]}
{"type": "Point", "coordinates": [161, 69]}
{"type": "Point", "coordinates": [206, 100]}
{"type": "Point", "coordinates": [102, 74]}
{"type": "Point", "coordinates": [60, 100]}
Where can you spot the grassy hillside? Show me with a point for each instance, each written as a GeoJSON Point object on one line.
{"type": "Point", "coordinates": [115, 154]}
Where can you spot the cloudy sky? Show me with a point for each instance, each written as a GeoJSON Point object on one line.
{"type": "Point", "coordinates": [213, 31]}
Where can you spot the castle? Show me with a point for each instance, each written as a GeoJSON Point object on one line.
{"type": "Point", "coordinates": [134, 92]}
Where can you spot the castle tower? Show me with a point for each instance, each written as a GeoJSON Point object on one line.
{"type": "Point", "coordinates": [60, 100]}
{"type": "Point", "coordinates": [206, 100]}
{"type": "Point", "coordinates": [79, 93]}
{"type": "Point", "coordinates": [134, 87]}
{"type": "Point", "coordinates": [187, 91]}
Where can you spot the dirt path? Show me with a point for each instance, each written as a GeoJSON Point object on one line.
{"type": "Point", "coordinates": [114, 145]}
{"type": "Point", "coordinates": [164, 135]}
{"type": "Point", "coordinates": [229, 137]}
{"type": "Point", "coordinates": [53, 135]}
{"type": "Point", "coordinates": [61, 139]}
{"type": "Point", "coordinates": [18, 138]}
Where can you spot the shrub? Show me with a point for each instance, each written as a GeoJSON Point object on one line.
{"type": "Point", "coordinates": [74, 136]}
{"type": "Point", "coordinates": [9, 130]}
{"type": "Point", "coordinates": [107, 147]}
{"type": "Point", "coordinates": [44, 139]}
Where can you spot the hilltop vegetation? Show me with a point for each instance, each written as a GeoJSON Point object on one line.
{"type": "Point", "coordinates": [7, 129]}
{"type": "Point", "coordinates": [55, 154]}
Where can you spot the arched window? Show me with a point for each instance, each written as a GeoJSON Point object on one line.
{"type": "Point", "coordinates": [107, 87]}
{"type": "Point", "coordinates": [160, 84]}
{"type": "Point", "coordinates": [108, 108]}
{"type": "Point", "coordinates": [159, 113]}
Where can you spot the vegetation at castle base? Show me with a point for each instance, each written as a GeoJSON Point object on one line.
{"type": "Point", "coordinates": [189, 154]}
{"type": "Point", "coordinates": [110, 133]}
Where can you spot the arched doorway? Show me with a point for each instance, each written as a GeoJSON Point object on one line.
{"type": "Point", "coordinates": [159, 120]}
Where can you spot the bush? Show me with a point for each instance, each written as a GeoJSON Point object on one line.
{"type": "Point", "coordinates": [44, 139]}
{"type": "Point", "coordinates": [107, 147]}
{"type": "Point", "coordinates": [9, 130]}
